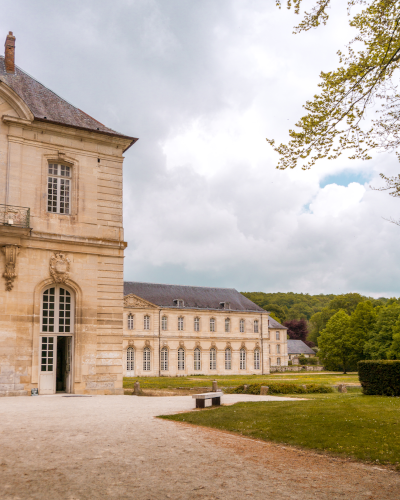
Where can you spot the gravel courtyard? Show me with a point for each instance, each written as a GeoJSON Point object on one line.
{"type": "Point", "coordinates": [112, 447]}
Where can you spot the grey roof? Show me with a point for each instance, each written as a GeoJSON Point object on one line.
{"type": "Point", "coordinates": [272, 323]}
{"type": "Point", "coordinates": [298, 347]}
{"type": "Point", "coordinates": [194, 297]}
{"type": "Point", "coordinates": [45, 105]}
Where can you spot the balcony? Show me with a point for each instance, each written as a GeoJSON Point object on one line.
{"type": "Point", "coordinates": [14, 216]}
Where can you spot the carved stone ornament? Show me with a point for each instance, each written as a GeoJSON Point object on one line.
{"type": "Point", "coordinates": [132, 300]}
{"type": "Point", "coordinates": [228, 345]}
{"type": "Point", "coordinates": [213, 345]}
{"type": "Point", "coordinates": [243, 346]}
{"type": "Point", "coordinates": [182, 344]}
{"type": "Point", "coordinates": [59, 267]}
{"type": "Point", "coordinates": [198, 345]}
{"type": "Point", "coordinates": [10, 252]}
{"type": "Point", "coordinates": [147, 343]}
{"type": "Point", "coordinates": [257, 345]}
{"type": "Point", "coordinates": [165, 343]}
{"type": "Point", "coordinates": [131, 343]}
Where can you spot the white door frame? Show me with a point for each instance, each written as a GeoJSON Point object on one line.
{"type": "Point", "coordinates": [44, 383]}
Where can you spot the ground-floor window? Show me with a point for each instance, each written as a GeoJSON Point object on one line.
{"type": "Point", "coordinates": [228, 359]}
{"type": "Point", "coordinates": [130, 359]}
{"type": "Point", "coordinates": [256, 359]}
{"type": "Point", "coordinates": [146, 359]}
{"type": "Point", "coordinates": [242, 359]}
{"type": "Point", "coordinates": [278, 361]}
{"type": "Point", "coordinates": [181, 359]}
{"type": "Point", "coordinates": [197, 359]}
{"type": "Point", "coordinates": [213, 359]}
{"type": "Point", "coordinates": [164, 359]}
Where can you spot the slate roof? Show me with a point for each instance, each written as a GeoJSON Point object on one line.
{"type": "Point", "coordinates": [195, 297]}
{"type": "Point", "coordinates": [272, 323]}
{"type": "Point", "coordinates": [46, 105]}
{"type": "Point", "coordinates": [298, 347]}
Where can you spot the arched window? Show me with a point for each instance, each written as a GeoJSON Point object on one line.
{"type": "Point", "coordinates": [256, 359]}
{"type": "Point", "coordinates": [130, 360]}
{"type": "Point", "coordinates": [130, 321]}
{"type": "Point", "coordinates": [57, 311]}
{"type": "Point", "coordinates": [197, 359]}
{"type": "Point", "coordinates": [146, 359]}
{"type": "Point", "coordinates": [241, 326]}
{"type": "Point", "coordinates": [146, 322]}
{"type": "Point", "coordinates": [164, 359]}
{"type": "Point", "coordinates": [212, 325]}
{"type": "Point", "coordinates": [180, 323]}
{"type": "Point", "coordinates": [242, 359]}
{"type": "Point", "coordinates": [213, 359]}
{"type": "Point", "coordinates": [256, 326]}
{"type": "Point", "coordinates": [164, 323]}
{"type": "Point", "coordinates": [181, 358]}
{"type": "Point", "coordinates": [196, 324]}
{"type": "Point", "coordinates": [228, 359]}
{"type": "Point", "coordinates": [227, 325]}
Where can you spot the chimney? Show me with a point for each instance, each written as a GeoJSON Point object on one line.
{"type": "Point", "coordinates": [9, 53]}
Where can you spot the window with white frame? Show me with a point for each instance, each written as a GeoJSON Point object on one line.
{"type": "Point", "coordinates": [242, 358]}
{"type": "Point", "coordinates": [197, 359]}
{"type": "Point", "coordinates": [146, 322]}
{"type": "Point", "coordinates": [278, 349]}
{"type": "Point", "coordinates": [164, 323]}
{"type": "Point", "coordinates": [256, 326]}
{"type": "Point", "coordinates": [130, 359]}
{"type": "Point", "coordinates": [256, 359]}
{"type": "Point", "coordinates": [227, 325]}
{"type": "Point", "coordinates": [278, 361]}
{"type": "Point", "coordinates": [196, 324]}
{"type": "Point", "coordinates": [146, 359]}
{"type": "Point", "coordinates": [130, 321]}
{"type": "Point", "coordinates": [180, 323]}
{"type": "Point", "coordinates": [241, 326]}
{"type": "Point", "coordinates": [57, 310]}
{"type": "Point", "coordinates": [212, 325]}
{"type": "Point", "coordinates": [181, 358]}
{"type": "Point", "coordinates": [228, 359]}
{"type": "Point", "coordinates": [164, 359]}
{"type": "Point", "coordinates": [213, 359]}
{"type": "Point", "coordinates": [278, 336]}
{"type": "Point", "coordinates": [59, 189]}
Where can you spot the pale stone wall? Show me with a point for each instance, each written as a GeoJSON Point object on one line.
{"type": "Point", "coordinates": [91, 238]}
{"type": "Point", "coordinates": [138, 338]}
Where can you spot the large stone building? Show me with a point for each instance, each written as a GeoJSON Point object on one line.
{"type": "Point", "coordinates": [62, 242]}
{"type": "Point", "coordinates": [181, 330]}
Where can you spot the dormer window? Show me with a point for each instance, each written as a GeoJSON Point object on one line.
{"type": "Point", "coordinates": [225, 305]}
{"type": "Point", "coordinates": [179, 303]}
{"type": "Point", "coordinates": [59, 189]}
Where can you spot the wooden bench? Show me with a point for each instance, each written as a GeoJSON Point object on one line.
{"type": "Point", "coordinates": [201, 399]}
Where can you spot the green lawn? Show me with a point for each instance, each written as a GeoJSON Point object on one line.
{"type": "Point", "coordinates": [233, 380]}
{"type": "Point", "coordinates": [363, 427]}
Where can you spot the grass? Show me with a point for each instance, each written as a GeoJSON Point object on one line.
{"type": "Point", "coordinates": [363, 427]}
{"type": "Point", "coordinates": [193, 381]}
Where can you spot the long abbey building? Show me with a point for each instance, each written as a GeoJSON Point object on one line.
{"type": "Point", "coordinates": [66, 323]}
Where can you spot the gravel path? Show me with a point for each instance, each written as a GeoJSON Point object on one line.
{"type": "Point", "coordinates": [112, 447]}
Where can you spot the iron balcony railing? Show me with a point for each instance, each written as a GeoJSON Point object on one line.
{"type": "Point", "coordinates": [14, 216]}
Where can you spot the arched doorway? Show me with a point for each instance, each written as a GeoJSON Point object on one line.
{"type": "Point", "coordinates": [56, 340]}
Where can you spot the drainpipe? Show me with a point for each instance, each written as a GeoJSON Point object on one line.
{"type": "Point", "coordinates": [159, 343]}
{"type": "Point", "coordinates": [262, 345]}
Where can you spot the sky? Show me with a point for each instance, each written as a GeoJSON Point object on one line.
{"type": "Point", "coordinates": [202, 83]}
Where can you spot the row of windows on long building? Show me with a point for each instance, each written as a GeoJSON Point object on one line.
{"type": "Point", "coordinates": [164, 359]}
{"type": "Point", "coordinates": [196, 324]}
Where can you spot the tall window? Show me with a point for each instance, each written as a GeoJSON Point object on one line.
{"type": "Point", "coordinates": [212, 325]}
{"type": "Point", "coordinates": [227, 325]}
{"type": "Point", "coordinates": [278, 337]}
{"type": "Point", "coordinates": [164, 323]}
{"type": "Point", "coordinates": [196, 324]}
{"type": "Point", "coordinates": [59, 189]}
{"type": "Point", "coordinates": [278, 349]}
{"type": "Point", "coordinates": [197, 359]}
{"type": "Point", "coordinates": [181, 358]}
{"type": "Point", "coordinates": [130, 321]}
{"type": "Point", "coordinates": [130, 359]}
{"type": "Point", "coordinates": [180, 323]}
{"type": "Point", "coordinates": [164, 359]}
{"type": "Point", "coordinates": [241, 326]}
{"type": "Point", "coordinates": [146, 322]}
{"type": "Point", "coordinates": [213, 359]}
{"type": "Point", "coordinates": [146, 359]}
{"type": "Point", "coordinates": [278, 361]}
{"type": "Point", "coordinates": [256, 359]}
{"type": "Point", "coordinates": [256, 326]}
{"type": "Point", "coordinates": [242, 359]}
{"type": "Point", "coordinates": [57, 311]}
{"type": "Point", "coordinates": [228, 359]}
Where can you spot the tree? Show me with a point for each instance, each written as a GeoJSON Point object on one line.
{"type": "Point", "coordinates": [336, 117]}
{"type": "Point", "coordinates": [381, 338]}
{"type": "Point", "coordinates": [362, 324]}
{"type": "Point", "coordinates": [335, 341]}
{"type": "Point", "coordinates": [298, 330]}
{"type": "Point", "coordinates": [394, 351]}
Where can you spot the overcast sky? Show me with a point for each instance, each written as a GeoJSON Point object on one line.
{"type": "Point", "coordinates": [202, 83]}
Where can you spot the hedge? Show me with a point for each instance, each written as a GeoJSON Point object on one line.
{"type": "Point", "coordinates": [279, 388]}
{"type": "Point", "coordinates": [380, 377]}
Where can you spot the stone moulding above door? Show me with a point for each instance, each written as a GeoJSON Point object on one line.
{"type": "Point", "coordinates": [10, 252]}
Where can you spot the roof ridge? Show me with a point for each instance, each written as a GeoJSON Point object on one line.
{"type": "Point", "coordinates": [186, 286]}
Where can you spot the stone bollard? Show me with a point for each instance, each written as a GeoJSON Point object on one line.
{"type": "Point", "coordinates": [245, 387]}
{"type": "Point", "coordinates": [342, 388]}
{"type": "Point", "coordinates": [264, 390]}
{"type": "Point", "coordinates": [214, 386]}
{"type": "Point", "coordinates": [136, 389]}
